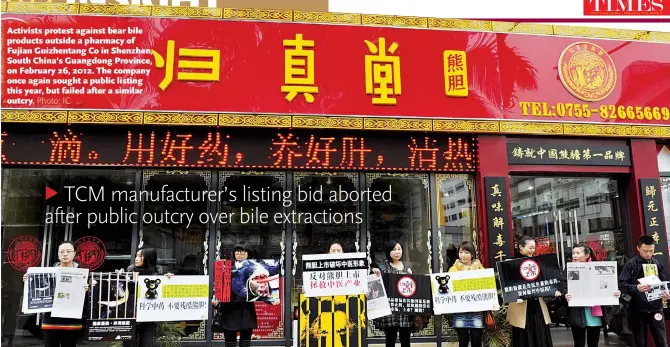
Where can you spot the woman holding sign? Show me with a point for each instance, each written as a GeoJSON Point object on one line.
{"type": "Point", "coordinates": [586, 322]}
{"type": "Point", "coordinates": [529, 318]}
{"type": "Point", "coordinates": [469, 326]}
{"type": "Point", "coordinates": [146, 264]}
{"type": "Point", "coordinates": [62, 332]}
{"type": "Point", "coordinates": [395, 323]}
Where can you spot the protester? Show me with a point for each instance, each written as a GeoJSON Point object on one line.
{"type": "Point", "coordinates": [586, 322]}
{"type": "Point", "coordinates": [643, 313]}
{"type": "Point", "coordinates": [237, 317]}
{"type": "Point", "coordinates": [469, 326]}
{"type": "Point", "coordinates": [146, 264]}
{"type": "Point", "coordinates": [529, 318]}
{"type": "Point", "coordinates": [62, 332]}
{"type": "Point", "coordinates": [395, 323]}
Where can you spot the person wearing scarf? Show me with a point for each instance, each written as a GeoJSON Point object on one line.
{"type": "Point", "coordinates": [586, 322]}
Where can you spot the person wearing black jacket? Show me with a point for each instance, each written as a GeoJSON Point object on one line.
{"type": "Point", "coordinates": [146, 264]}
{"type": "Point", "coordinates": [237, 317]}
{"type": "Point", "coordinates": [62, 332]}
{"type": "Point", "coordinates": [644, 314]}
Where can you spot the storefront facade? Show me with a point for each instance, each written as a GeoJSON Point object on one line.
{"type": "Point", "coordinates": [492, 133]}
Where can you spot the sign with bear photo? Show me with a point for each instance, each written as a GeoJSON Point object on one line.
{"type": "Point", "coordinates": [464, 291]}
{"type": "Point", "coordinates": [409, 294]}
{"type": "Point", "coordinates": [180, 298]}
{"type": "Point", "coordinates": [250, 280]}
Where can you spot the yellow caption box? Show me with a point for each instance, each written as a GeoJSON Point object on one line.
{"type": "Point", "coordinates": [173, 291]}
{"type": "Point", "coordinates": [474, 284]}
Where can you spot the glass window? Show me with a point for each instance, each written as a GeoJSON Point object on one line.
{"type": "Point", "coordinates": [267, 240]}
{"type": "Point", "coordinates": [314, 238]}
{"type": "Point", "coordinates": [561, 211]}
{"type": "Point", "coordinates": [182, 245]}
{"type": "Point", "coordinates": [458, 225]}
{"type": "Point", "coordinates": [404, 218]}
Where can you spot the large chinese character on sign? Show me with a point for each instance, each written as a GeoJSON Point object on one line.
{"type": "Point", "coordinates": [208, 60]}
{"type": "Point", "coordinates": [299, 69]}
{"type": "Point", "coordinates": [455, 74]}
{"type": "Point", "coordinates": [382, 73]}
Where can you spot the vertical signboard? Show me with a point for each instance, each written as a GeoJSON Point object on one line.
{"type": "Point", "coordinates": [497, 219]}
{"type": "Point", "coordinates": [654, 222]}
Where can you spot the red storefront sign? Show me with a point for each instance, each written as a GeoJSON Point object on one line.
{"type": "Point", "coordinates": [161, 64]}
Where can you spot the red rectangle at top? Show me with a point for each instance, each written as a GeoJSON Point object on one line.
{"type": "Point", "coordinates": [626, 7]}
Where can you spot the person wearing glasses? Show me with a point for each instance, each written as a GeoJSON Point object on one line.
{"type": "Point", "coordinates": [62, 332]}
{"type": "Point", "coordinates": [237, 317]}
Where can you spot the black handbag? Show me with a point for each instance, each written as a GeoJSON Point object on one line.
{"type": "Point", "coordinates": [217, 321]}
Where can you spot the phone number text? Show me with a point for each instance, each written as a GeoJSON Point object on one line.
{"type": "Point", "coordinates": [544, 109]}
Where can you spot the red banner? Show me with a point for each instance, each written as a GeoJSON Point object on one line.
{"type": "Point", "coordinates": [161, 64]}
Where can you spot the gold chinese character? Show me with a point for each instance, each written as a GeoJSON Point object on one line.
{"type": "Point", "coordinates": [455, 73]}
{"type": "Point", "coordinates": [541, 152]}
{"type": "Point", "coordinates": [530, 153]}
{"type": "Point", "coordinates": [650, 191]}
{"type": "Point", "coordinates": [499, 240]}
{"type": "Point", "coordinates": [575, 155]}
{"type": "Point", "coordinates": [586, 154]}
{"type": "Point", "coordinates": [496, 190]}
{"type": "Point", "coordinates": [517, 152]}
{"type": "Point", "coordinates": [656, 237]}
{"type": "Point", "coordinates": [497, 207]}
{"type": "Point", "coordinates": [498, 222]}
{"type": "Point", "coordinates": [652, 206]}
{"type": "Point", "coordinates": [619, 155]}
{"type": "Point", "coordinates": [500, 256]}
{"type": "Point", "coordinates": [553, 154]}
{"type": "Point", "coordinates": [653, 222]}
{"type": "Point", "coordinates": [299, 69]}
{"type": "Point", "coordinates": [564, 154]}
{"type": "Point", "coordinates": [608, 155]}
{"type": "Point", "coordinates": [382, 70]}
{"type": "Point", "coordinates": [213, 64]}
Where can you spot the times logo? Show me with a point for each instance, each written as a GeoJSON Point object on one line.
{"type": "Point", "coordinates": [626, 7]}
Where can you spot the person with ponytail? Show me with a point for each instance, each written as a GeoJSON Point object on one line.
{"type": "Point", "coordinates": [586, 322]}
{"type": "Point", "coordinates": [62, 332]}
{"type": "Point", "coordinates": [529, 318]}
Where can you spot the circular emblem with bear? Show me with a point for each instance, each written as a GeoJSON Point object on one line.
{"type": "Point", "coordinates": [587, 71]}
{"type": "Point", "coordinates": [24, 252]}
{"type": "Point", "coordinates": [91, 252]}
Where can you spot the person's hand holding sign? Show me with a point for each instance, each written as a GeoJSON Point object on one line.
{"type": "Point", "coordinates": [643, 288]}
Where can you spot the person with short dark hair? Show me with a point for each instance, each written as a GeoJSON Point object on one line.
{"type": "Point", "coordinates": [62, 332]}
{"type": "Point", "coordinates": [644, 314]}
{"type": "Point", "coordinates": [469, 326]}
{"type": "Point", "coordinates": [396, 323]}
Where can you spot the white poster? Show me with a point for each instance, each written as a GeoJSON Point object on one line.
{"type": "Point", "coordinates": [179, 298]}
{"type": "Point", "coordinates": [464, 291]}
{"type": "Point", "coordinates": [335, 274]}
{"type": "Point", "coordinates": [70, 293]}
{"type": "Point", "coordinates": [378, 302]}
{"type": "Point", "coordinates": [38, 289]}
{"type": "Point", "coordinates": [592, 283]}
